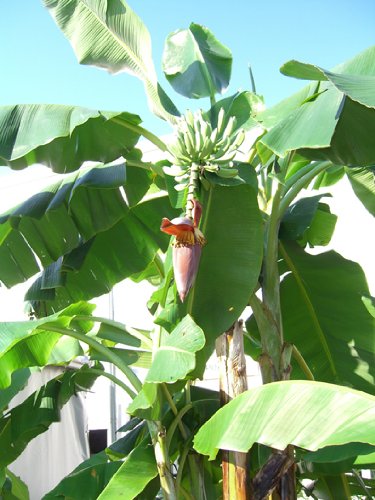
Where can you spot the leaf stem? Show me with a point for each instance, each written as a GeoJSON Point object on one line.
{"type": "Point", "coordinates": [96, 346]}
{"type": "Point", "coordinates": [127, 329]}
{"type": "Point", "coordinates": [142, 131]}
{"type": "Point", "coordinates": [158, 438]}
{"type": "Point", "coordinates": [297, 182]}
{"type": "Point", "coordinates": [302, 363]}
{"type": "Point", "coordinates": [114, 379]}
{"type": "Point", "coordinates": [310, 308]}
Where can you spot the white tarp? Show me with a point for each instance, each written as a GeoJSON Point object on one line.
{"type": "Point", "coordinates": [55, 453]}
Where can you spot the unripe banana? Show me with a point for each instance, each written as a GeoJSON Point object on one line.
{"type": "Point", "coordinates": [239, 139]}
{"type": "Point", "coordinates": [198, 140]}
{"type": "Point", "coordinates": [189, 118]}
{"type": "Point", "coordinates": [180, 187]}
{"type": "Point", "coordinates": [227, 173]}
{"type": "Point", "coordinates": [189, 143]}
{"type": "Point", "coordinates": [230, 127]}
{"type": "Point", "coordinates": [174, 170]}
{"type": "Point", "coordinates": [206, 148]}
{"type": "Point", "coordinates": [220, 120]}
{"type": "Point", "coordinates": [222, 146]}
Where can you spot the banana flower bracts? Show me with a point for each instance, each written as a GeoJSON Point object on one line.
{"type": "Point", "coordinates": [187, 248]}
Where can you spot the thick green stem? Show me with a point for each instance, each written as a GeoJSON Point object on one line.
{"type": "Point", "coordinates": [270, 338]}
{"type": "Point", "coordinates": [272, 335]}
{"type": "Point", "coordinates": [158, 438]}
{"type": "Point", "coordinates": [109, 355]}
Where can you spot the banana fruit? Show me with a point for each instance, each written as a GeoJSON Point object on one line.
{"type": "Point", "coordinates": [211, 149]}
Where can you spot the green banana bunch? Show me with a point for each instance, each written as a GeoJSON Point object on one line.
{"type": "Point", "coordinates": [210, 149]}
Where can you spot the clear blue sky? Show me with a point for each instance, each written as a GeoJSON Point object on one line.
{"type": "Point", "coordinates": [38, 64]}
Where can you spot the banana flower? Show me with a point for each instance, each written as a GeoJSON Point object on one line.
{"type": "Point", "coordinates": [187, 248]}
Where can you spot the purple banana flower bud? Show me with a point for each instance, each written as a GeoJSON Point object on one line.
{"type": "Point", "coordinates": [187, 248]}
{"type": "Point", "coordinates": [185, 265]}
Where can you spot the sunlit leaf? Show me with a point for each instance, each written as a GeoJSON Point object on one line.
{"type": "Point", "coordinates": [137, 470]}
{"type": "Point", "coordinates": [63, 137]}
{"type": "Point", "coordinates": [310, 415]}
{"type": "Point", "coordinates": [324, 316]}
{"type": "Point", "coordinates": [175, 357]}
{"type": "Point", "coordinates": [363, 184]}
{"type": "Point", "coordinates": [335, 121]}
{"type": "Point", "coordinates": [195, 63]}
{"type": "Point", "coordinates": [113, 37]}
{"type": "Point", "coordinates": [30, 343]}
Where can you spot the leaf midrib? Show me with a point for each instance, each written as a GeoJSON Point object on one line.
{"type": "Point", "coordinates": [126, 48]}
{"type": "Point", "coordinates": [310, 309]}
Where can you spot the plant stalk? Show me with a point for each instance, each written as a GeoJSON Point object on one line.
{"type": "Point", "coordinates": [158, 438]}
{"type": "Point", "coordinates": [233, 381]}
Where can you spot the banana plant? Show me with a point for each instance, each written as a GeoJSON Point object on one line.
{"type": "Point", "coordinates": [218, 223]}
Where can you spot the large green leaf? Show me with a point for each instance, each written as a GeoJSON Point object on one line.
{"type": "Point", "coordinates": [19, 380]}
{"type": "Point", "coordinates": [324, 316]}
{"type": "Point", "coordinates": [14, 488]}
{"type": "Point", "coordinates": [335, 121]}
{"type": "Point", "coordinates": [63, 137]}
{"type": "Point", "coordinates": [83, 233]}
{"type": "Point", "coordinates": [307, 414]}
{"type": "Point", "coordinates": [311, 125]}
{"type": "Point", "coordinates": [94, 267]}
{"type": "Point", "coordinates": [306, 219]}
{"type": "Point", "coordinates": [244, 106]}
{"type": "Point", "coordinates": [230, 263]}
{"type": "Point", "coordinates": [359, 88]}
{"type": "Point", "coordinates": [231, 260]}
{"type": "Point", "coordinates": [175, 357]}
{"type": "Point", "coordinates": [32, 417]}
{"type": "Point", "coordinates": [30, 343]}
{"type": "Point", "coordinates": [111, 36]}
{"type": "Point", "coordinates": [195, 63]}
{"type": "Point", "coordinates": [137, 470]}
{"type": "Point", "coordinates": [363, 184]}
{"type": "Point", "coordinates": [91, 477]}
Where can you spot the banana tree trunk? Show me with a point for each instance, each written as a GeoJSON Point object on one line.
{"type": "Point", "coordinates": [233, 381]}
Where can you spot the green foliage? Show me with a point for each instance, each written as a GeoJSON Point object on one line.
{"type": "Point", "coordinates": [195, 63]}
{"type": "Point", "coordinates": [63, 137]}
{"type": "Point", "coordinates": [326, 120]}
{"type": "Point", "coordinates": [112, 37]}
{"type": "Point", "coordinates": [324, 316]}
{"type": "Point", "coordinates": [175, 357]}
{"type": "Point", "coordinates": [31, 343]}
{"type": "Point", "coordinates": [99, 224]}
{"type": "Point", "coordinates": [363, 184]}
{"type": "Point", "coordinates": [307, 414]}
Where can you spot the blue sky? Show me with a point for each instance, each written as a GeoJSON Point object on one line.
{"type": "Point", "coordinates": [39, 65]}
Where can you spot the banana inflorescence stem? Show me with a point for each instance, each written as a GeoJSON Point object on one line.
{"type": "Point", "coordinates": [192, 188]}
